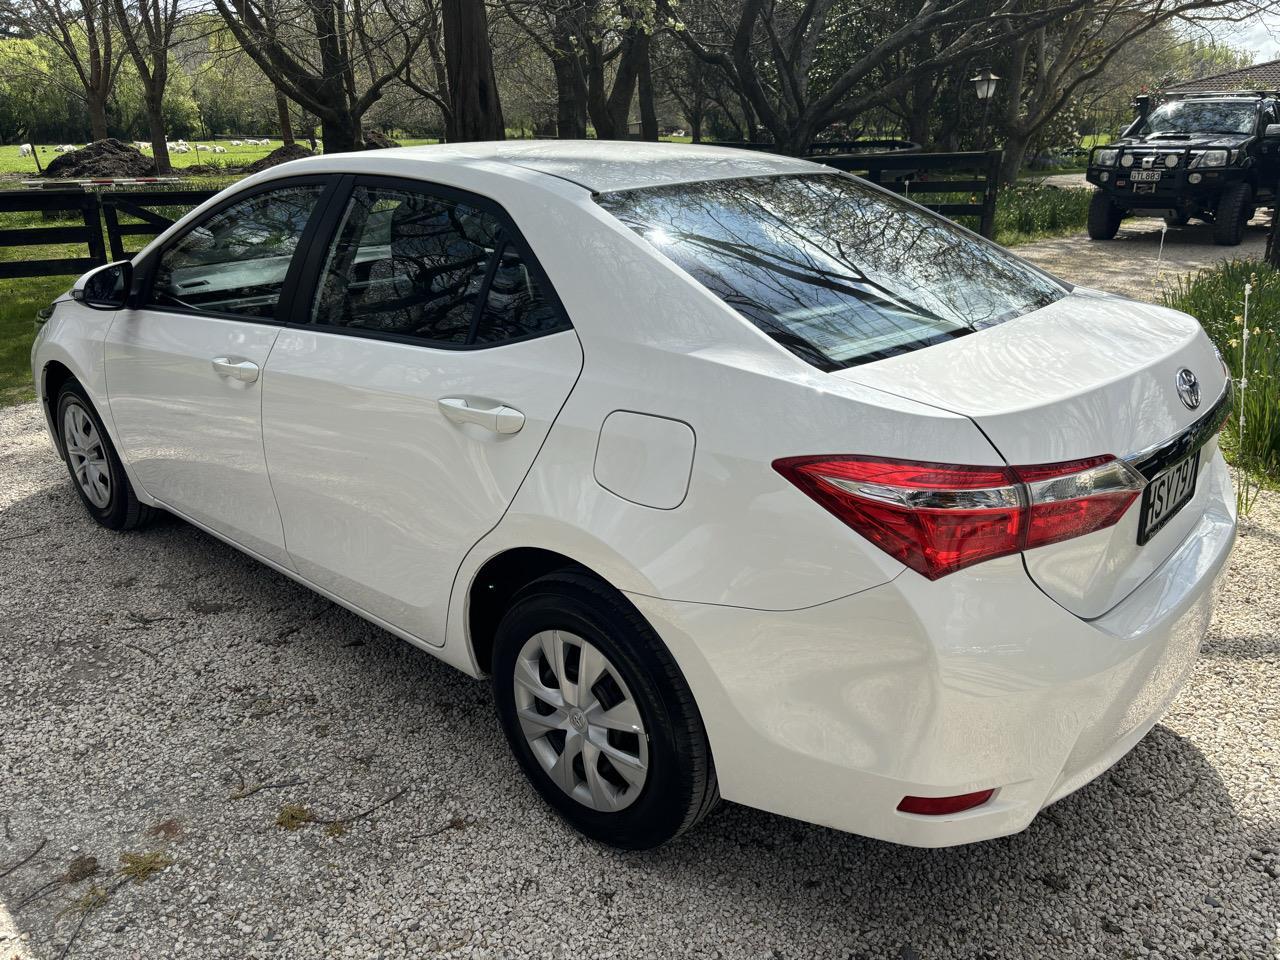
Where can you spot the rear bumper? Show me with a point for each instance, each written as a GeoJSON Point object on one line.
{"type": "Point", "coordinates": [834, 713]}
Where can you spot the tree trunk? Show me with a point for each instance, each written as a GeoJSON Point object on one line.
{"type": "Point", "coordinates": [159, 144]}
{"type": "Point", "coordinates": [571, 92]}
{"type": "Point", "coordinates": [97, 104]}
{"type": "Point", "coordinates": [473, 89]}
{"type": "Point", "coordinates": [340, 134]}
{"type": "Point", "coordinates": [1015, 151]}
{"type": "Point", "coordinates": [286, 126]}
{"type": "Point", "coordinates": [648, 111]}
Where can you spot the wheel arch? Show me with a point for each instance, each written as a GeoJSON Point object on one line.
{"type": "Point", "coordinates": [53, 376]}
{"type": "Point", "coordinates": [496, 582]}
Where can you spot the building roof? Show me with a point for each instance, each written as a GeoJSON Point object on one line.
{"type": "Point", "coordinates": [1260, 76]}
{"type": "Point", "coordinates": [604, 165]}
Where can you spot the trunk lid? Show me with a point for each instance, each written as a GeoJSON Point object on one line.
{"type": "Point", "coordinates": [1087, 375]}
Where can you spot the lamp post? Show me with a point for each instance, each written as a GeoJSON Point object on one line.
{"type": "Point", "coordinates": [984, 85]}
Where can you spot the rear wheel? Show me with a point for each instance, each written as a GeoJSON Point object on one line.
{"type": "Point", "coordinates": [1231, 215]}
{"type": "Point", "coordinates": [1104, 217]}
{"type": "Point", "coordinates": [599, 716]}
{"type": "Point", "coordinates": [95, 468]}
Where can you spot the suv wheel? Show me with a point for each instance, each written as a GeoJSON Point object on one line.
{"type": "Point", "coordinates": [599, 716]}
{"type": "Point", "coordinates": [95, 468]}
{"type": "Point", "coordinates": [1232, 214]}
{"type": "Point", "coordinates": [1104, 217]}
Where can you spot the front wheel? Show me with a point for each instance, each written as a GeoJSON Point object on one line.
{"type": "Point", "coordinates": [95, 468]}
{"type": "Point", "coordinates": [1104, 217]}
{"type": "Point", "coordinates": [1233, 212]}
{"type": "Point", "coordinates": [599, 716]}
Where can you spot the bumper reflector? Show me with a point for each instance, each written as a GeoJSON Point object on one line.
{"type": "Point", "coordinates": [937, 806]}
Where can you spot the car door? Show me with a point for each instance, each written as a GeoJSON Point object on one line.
{"type": "Point", "coordinates": [184, 363]}
{"type": "Point", "coordinates": [400, 420]}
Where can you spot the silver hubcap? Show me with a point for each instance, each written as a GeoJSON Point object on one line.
{"type": "Point", "coordinates": [581, 721]}
{"type": "Point", "coordinates": [86, 454]}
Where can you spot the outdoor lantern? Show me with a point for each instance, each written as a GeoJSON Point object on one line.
{"type": "Point", "coordinates": [984, 84]}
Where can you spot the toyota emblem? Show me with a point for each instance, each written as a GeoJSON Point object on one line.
{"type": "Point", "coordinates": [1188, 389]}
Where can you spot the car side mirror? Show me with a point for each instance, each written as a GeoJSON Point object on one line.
{"type": "Point", "coordinates": [1272, 130]}
{"type": "Point", "coordinates": [105, 288]}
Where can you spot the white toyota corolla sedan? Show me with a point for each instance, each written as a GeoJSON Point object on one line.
{"type": "Point", "coordinates": [739, 476]}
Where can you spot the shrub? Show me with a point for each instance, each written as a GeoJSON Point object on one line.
{"type": "Point", "coordinates": [1216, 298]}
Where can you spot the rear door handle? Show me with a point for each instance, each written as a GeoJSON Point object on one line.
{"type": "Point", "coordinates": [244, 370]}
{"type": "Point", "coordinates": [499, 419]}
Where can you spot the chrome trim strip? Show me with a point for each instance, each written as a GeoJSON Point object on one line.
{"type": "Point", "coordinates": [1155, 458]}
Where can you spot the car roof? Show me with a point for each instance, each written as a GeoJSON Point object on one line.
{"type": "Point", "coordinates": [603, 166]}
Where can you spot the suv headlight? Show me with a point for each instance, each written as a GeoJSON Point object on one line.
{"type": "Point", "coordinates": [1105, 158]}
{"type": "Point", "coordinates": [1210, 158]}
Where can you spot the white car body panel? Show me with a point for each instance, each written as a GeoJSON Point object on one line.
{"type": "Point", "coordinates": [832, 679]}
{"type": "Point", "coordinates": [193, 436]}
{"type": "Point", "coordinates": [380, 495]}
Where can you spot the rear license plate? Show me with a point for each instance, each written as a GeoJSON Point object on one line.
{"type": "Point", "coordinates": [1166, 494]}
{"type": "Point", "coordinates": [1144, 176]}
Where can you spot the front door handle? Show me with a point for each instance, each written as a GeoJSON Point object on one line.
{"type": "Point", "coordinates": [243, 370]}
{"type": "Point", "coordinates": [499, 419]}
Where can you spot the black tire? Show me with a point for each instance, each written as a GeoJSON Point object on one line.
{"type": "Point", "coordinates": [120, 509]}
{"type": "Point", "coordinates": [680, 787]}
{"type": "Point", "coordinates": [1232, 214]}
{"type": "Point", "coordinates": [1177, 219]}
{"type": "Point", "coordinates": [1104, 217]}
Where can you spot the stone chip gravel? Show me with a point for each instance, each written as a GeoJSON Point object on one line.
{"type": "Point", "coordinates": [165, 702]}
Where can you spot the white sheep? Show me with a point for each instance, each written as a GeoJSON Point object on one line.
{"type": "Point", "coordinates": [202, 146]}
{"type": "Point", "coordinates": [25, 150]}
{"type": "Point", "coordinates": [236, 143]}
{"type": "Point", "coordinates": [219, 149]}
{"type": "Point", "coordinates": [64, 148]}
{"type": "Point", "coordinates": [180, 148]}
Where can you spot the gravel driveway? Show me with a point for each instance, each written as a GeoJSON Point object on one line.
{"type": "Point", "coordinates": [168, 709]}
{"type": "Point", "coordinates": [1132, 263]}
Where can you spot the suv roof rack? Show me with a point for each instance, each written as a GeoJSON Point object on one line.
{"type": "Point", "coordinates": [1220, 94]}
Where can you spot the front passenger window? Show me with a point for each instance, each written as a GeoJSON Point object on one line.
{"type": "Point", "coordinates": [236, 261]}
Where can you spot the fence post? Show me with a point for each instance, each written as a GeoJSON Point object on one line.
{"type": "Point", "coordinates": [93, 223]}
{"type": "Point", "coordinates": [987, 224]}
{"type": "Point", "coordinates": [111, 216]}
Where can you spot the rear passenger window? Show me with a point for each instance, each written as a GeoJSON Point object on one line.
{"type": "Point", "coordinates": [408, 263]}
{"type": "Point", "coordinates": [515, 306]}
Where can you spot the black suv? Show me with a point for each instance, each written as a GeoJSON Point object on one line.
{"type": "Point", "coordinates": [1215, 156]}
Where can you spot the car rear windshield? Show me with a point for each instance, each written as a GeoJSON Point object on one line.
{"type": "Point", "coordinates": [835, 270]}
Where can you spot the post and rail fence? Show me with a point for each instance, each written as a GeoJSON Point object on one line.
{"type": "Point", "coordinates": [110, 213]}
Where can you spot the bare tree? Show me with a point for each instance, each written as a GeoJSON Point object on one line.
{"type": "Point", "coordinates": [82, 30]}
{"type": "Point", "coordinates": [147, 27]}
{"type": "Point", "coordinates": [331, 57]}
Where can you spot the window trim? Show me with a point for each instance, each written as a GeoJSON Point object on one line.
{"type": "Point", "coordinates": [147, 267]}
{"type": "Point", "coordinates": [325, 233]}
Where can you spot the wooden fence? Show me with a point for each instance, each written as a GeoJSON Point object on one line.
{"type": "Point", "coordinates": [101, 230]}
{"type": "Point", "coordinates": [953, 184]}
{"type": "Point", "coordinates": [927, 178]}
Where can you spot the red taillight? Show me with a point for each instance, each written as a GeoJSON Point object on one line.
{"type": "Point", "coordinates": [937, 806]}
{"type": "Point", "coordinates": [937, 518]}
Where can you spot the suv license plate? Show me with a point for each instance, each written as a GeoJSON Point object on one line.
{"type": "Point", "coordinates": [1144, 176]}
{"type": "Point", "coordinates": [1166, 495]}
